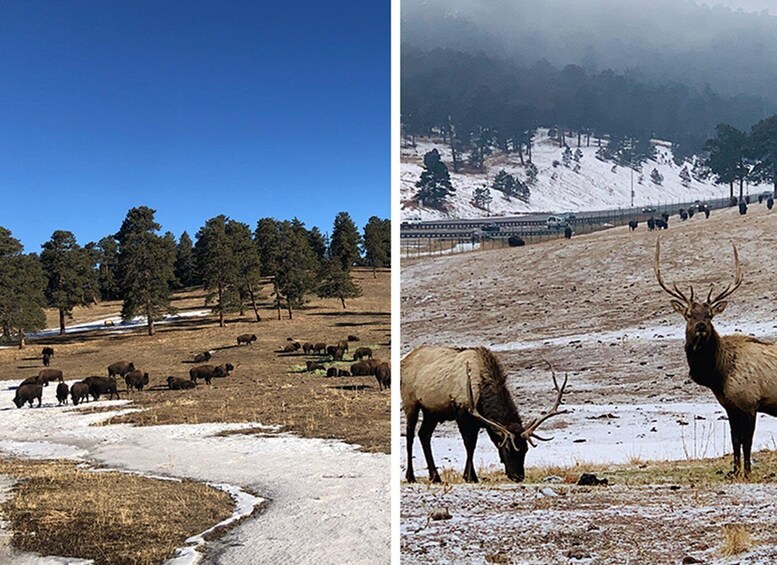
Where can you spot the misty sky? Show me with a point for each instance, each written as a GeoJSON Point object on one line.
{"type": "Point", "coordinates": [746, 5]}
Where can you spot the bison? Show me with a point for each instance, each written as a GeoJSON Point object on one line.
{"type": "Point", "coordinates": [335, 352]}
{"type": "Point", "coordinates": [47, 351]}
{"type": "Point", "coordinates": [120, 368]}
{"type": "Point", "coordinates": [469, 386]}
{"type": "Point", "coordinates": [135, 379]}
{"type": "Point", "coordinates": [102, 385]}
{"type": "Point", "coordinates": [331, 371]}
{"type": "Point", "coordinates": [247, 339]}
{"type": "Point", "coordinates": [48, 375]}
{"type": "Point", "coordinates": [174, 383]}
{"type": "Point", "coordinates": [202, 357]}
{"type": "Point", "coordinates": [383, 376]}
{"type": "Point", "coordinates": [353, 338]}
{"type": "Point", "coordinates": [361, 353]}
{"type": "Point", "coordinates": [62, 392]}
{"type": "Point", "coordinates": [343, 373]}
{"type": "Point", "coordinates": [46, 359]}
{"type": "Point", "coordinates": [209, 372]}
{"type": "Point", "coordinates": [319, 348]}
{"type": "Point", "coordinates": [633, 224]}
{"type": "Point", "coordinates": [307, 348]}
{"type": "Point", "coordinates": [78, 392]}
{"type": "Point", "coordinates": [28, 393]}
{"type": "Point", "coordinates": [314, 366]}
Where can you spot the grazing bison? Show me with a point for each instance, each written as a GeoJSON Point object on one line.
{"type": "Point", "coordinates": [78, 392]}
{"type": "Point", "coordinates": [319, 348]}
{"type": "Point", "coordinates": [683, 215]}
{"type": "Point", "coordinates": [633, 224]}
{"type": "Point", "coordinates": [48, 375]}
{"type": "Point", "coordinates": [362, 369]}
{"type": "Point", "coordinates": [62, 392]}
{"type": "Point", "coordinates": [742, 208]}
{"type": "Point", "coordinates": [343, 345]}
{"type": "Point", "coordinates": [209, 372]}
{"type": "Point", "coordinates": [383, 376]}
{"type": "Point", "coordinates": [567, 233]}
{"type": "Point", "coordinates": [651, 223]}
{"type": "Point", "coordinates": [135, 379]}
{"type": "Point", "coordinates": [362, 352]}
{"type": "Point", "coordinates": [662, 224]}
{"type": "Point", "coordinates": [102, 385]}
{"type": "Point", "coordinates": [770, 203]}
{"type": "Point", "coordinates": [47, 351]}
{"type": "Point", "coordinates": [46, 359]}
{"type": "Point", "coordinates": [331, 371]}
{"type": "Point", "coordinates": [665, 216]}
{"type": "Point", "coordinates": [691, 211]}
{"type": "Point", "coordinates": [313, 366]}
{"type": "Point", "coordinates": [120, 368]}
{"type": "Point", "coordinates": [469, 386]}
{"type": "Point", "coordinates": [343, 373]}
{"type": "Point", "coordinates": [515, 241]}
{"type": "Point", "coordinates": [174, 383]}
{"type": "Point", "coordinates": [292, 347]}
{"type": "Point", "coordinates": [248, 339]}
{"type": "Point", "coordinates": [202, 357]}
{"type": "Point", "coordinates": [28, 393]}
{"type": "Point", "coordinates": [353, 338]}
{"type": "Point", "coordinates": [335, 352]}
{"type": "Point", "coordinates": [36, 380]}
{"type": "Point", "coordinates": [307, 347]}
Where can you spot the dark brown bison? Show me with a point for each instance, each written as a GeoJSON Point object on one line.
{"type": "Point", "coordinates": [202, 357]}
{"type": "Point", "coordinates": [362, 369]}
{"type": "Point", "coordinates": [135, 379]}
{"type": "Point", "coordinates": [247, 339]}
{"type": "Point", "coordinates": [28, 393]}
{"type": "Point", "coordinates": [307, 347]}
{"type": "Point", "coordinates": [313, 366]}
{"type": "Point", "coordinates": [383, 375]}
{"type": "Point", "coordinates": [47, 375]}
{"type": "Point", "coordinates": [331, 372]}
{"type": "Point", "coordinates": [120, 368]}
{"type": "Point", "coordinates": [319, 348]}
{"type": "Point", "coordinates": [102, 385]}
{"type": "Point", "coordinates": [209, 372]}
{"type": "Point", "coordinates": [343, 373]}
{"type": "Point", "coordinates": [353, 338]}
{"type": "Point", "coordinates": [36, 380]}
{"type": "Point", "coordinates": [335, 352]}
{"type": "Point", "coordinates": [291, 347]}
{"type": "Point", "coordinates": [46, 359]}
{"type": "Point", "coordinates": [361, 353]}
{"type": "Point", "coordinates": [62, 392]}
{"type": "Point", "coordinates": [633, 224]}
{"type": "Point", "coordinates": [343, 345]}
{"type": "Point", "coordinates": [47, 351]}
{"type": "Point", "coordinates": [174, 383]}
{"type": "Point", "coordinates": [78, 392]}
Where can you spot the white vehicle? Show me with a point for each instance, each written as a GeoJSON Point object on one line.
{"type": "Point", "coordinates": [555, 222]}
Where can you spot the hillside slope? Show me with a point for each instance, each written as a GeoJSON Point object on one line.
{"type": "Point", "coordinates": [597, 185]}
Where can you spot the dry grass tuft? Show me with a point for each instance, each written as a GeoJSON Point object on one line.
{"type": "Point", "coordinates": [736, 540]}
{"type": "Point", "coordinates": [61, 508]}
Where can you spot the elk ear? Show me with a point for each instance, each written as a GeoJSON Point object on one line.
{"type": "Point", "coordinates": [718, 307]}
{"type": "Point", "coordinates": [679, 307]}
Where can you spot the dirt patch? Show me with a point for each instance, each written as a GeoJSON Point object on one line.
{"type": "Point", "coordinates": [62, 508]}
{"type": "Point", "coordinates": [262, 388]}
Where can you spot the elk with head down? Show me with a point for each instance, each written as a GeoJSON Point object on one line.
{"type": "Point", "coordinates": [740, 370]}
{"type": "Point", "coordinates": [468, 386]}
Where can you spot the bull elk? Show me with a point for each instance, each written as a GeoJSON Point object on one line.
{"type": "Point", "coordinates": [740, 370]}
{"type": "Point", "coordinates": [468, 386]}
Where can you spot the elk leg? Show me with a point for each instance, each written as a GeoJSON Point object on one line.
{"type": "Point", "coordinates": [469, 433]}
{"type": "Point", "coordinates": [412, 420]}
{"type": "Point", "coordinates": [748, 429]}
{"type": "Point", "coordinates": [425, 435]}
{"type": "Point", "coordinates": [735, 421]}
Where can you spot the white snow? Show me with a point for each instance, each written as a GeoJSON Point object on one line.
{"type": "Point", "coordinates": [327, 502]}
{"type": "Point", "coordinates": [595, 187]}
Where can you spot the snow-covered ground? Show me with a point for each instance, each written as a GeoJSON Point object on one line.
{"type": "Point", "coordinates": [326, 502]}
{"type": "Point", "coordinates": [597, 185]}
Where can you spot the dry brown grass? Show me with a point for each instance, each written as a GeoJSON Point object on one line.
{"type": "Point", "coordinates": [736, 540]}
{"type": "Point", "coordinates": [60, 508]}
{"type": "Point", "coordinates": [263, 388]}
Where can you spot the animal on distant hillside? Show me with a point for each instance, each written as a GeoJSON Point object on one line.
{"type": "Point", "coordinates": [313, 366]}
{"type": "Point", "coordinates": [175, 383]}
{"type": "Point", "coordinates": [27, 393]}
{"type": "Point", "coordinates": [633, 224]}
{"type": "Point", "coordinates": [319, 348]}
{"type": "Point", "coordinates": [651, 223]}
{"type": "Point", "coordinates": [383, 376]}
{"type": "Point", "coordinates": [361, 353]}
{"type": "Point", "coordinates": [335, 352]}
{"type": "Point", "coordinates": [47, 351]}
{"type": "Point", "coordinates": [62, 392]}
{"type": "Point", "coordinates": [136, 379]}
{"type": "Point", "coordinates": [120, 368]}
{"type": "Point", "coordinates": [46, 359]}
{"type": "Point", "coordinates": [202, 357]}
{"type": "Point", "coordinates": [48, 375]}
{"type": "Point", "coordinates": [247, 339]}
{"type": "Point", "coordinates": [568, 232]}
{"type": "Point", "coordinates": [353, 338]}
{"type": "Point", "coordinates": [466, 385]}
{"type": "Point", "coordinates": [330, 372]}
{"type": "Point", "coordinates": [740, 370]}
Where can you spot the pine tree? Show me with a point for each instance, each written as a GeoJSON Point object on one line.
{"type": "Point", "coordinates": [763, 142]}
{"type": "Point", "coordinates": [298, 268]}
{"type": "Point", "coordinates": [566, 156]}
{"type": "Point", "coordinates": [72, 280]}
{"type": "Point", "coordinates": [505, 183]}
{"type": "Point", "coordinates": [482, 198]}
{"type": "Point", "coordinates": [217, 264]}
{"type": "Point", "coordinates": [434, 186]}
{"type": "Point", "coordinates": [267, 239]}
{"type": "Point", "coordinates": [146, 266]}
{"type": "Point", "coordinates": [185, 264]}
{"type": "Point", "coordinates": [377, 243]}
{"type": "Point", "coordinates": [246, 255]}
{"type": "Point", "coordinates": [531, 174]}
{"type": "Point", "coordinates": [108, 276]}
{"type": "Point", "coordinates": [578, 154]}
{"type": "Point", "coordinates": [345, 242]}
{"type": "Point", "coordinates": [338, 283]}
{"type": "Point", "coordinates": [728, 152]}
{"type": "Point", "coordinates": [656, 177]}
{"type": "Point", "coordinates": [22, 285]}
{"type": "Point", "coordinates": [318, 243]}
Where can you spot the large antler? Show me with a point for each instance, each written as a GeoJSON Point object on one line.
{"type": "Point", "coordinates": [729, 289]}
{"type": "Point", "coordinates": [529, 431]}
{"type": "Point", "coordinates": [673, 292]}
{"type": "Point", "coordinates": [506, 434]}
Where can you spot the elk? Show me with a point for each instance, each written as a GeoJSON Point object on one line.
{"type": "Point", "coordinates": [468, 386]}
{"type": "Point", "coordinates": [740, 370]}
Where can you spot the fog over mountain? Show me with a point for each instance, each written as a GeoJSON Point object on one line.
{"type": "Point", "coordinates": [730, 46]}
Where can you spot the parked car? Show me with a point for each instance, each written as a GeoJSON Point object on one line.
{"type": "Point", "coordinates": [492, 227]}
{"type": "Point", "coordinates": [556, 222]}
{"type": "Point", "coordinates": [648, 210]}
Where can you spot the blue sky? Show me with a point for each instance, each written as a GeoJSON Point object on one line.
{"type": "Point", "coordinates": [195, 109]}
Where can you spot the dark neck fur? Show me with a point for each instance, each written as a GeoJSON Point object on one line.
{"type": "Point", "coordinates": [705, 363]}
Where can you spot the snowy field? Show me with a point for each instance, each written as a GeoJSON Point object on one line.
{"type": "Point", "coordinates": [596, 186]}
{"type": "Point", "coordinates": [311, 490]}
